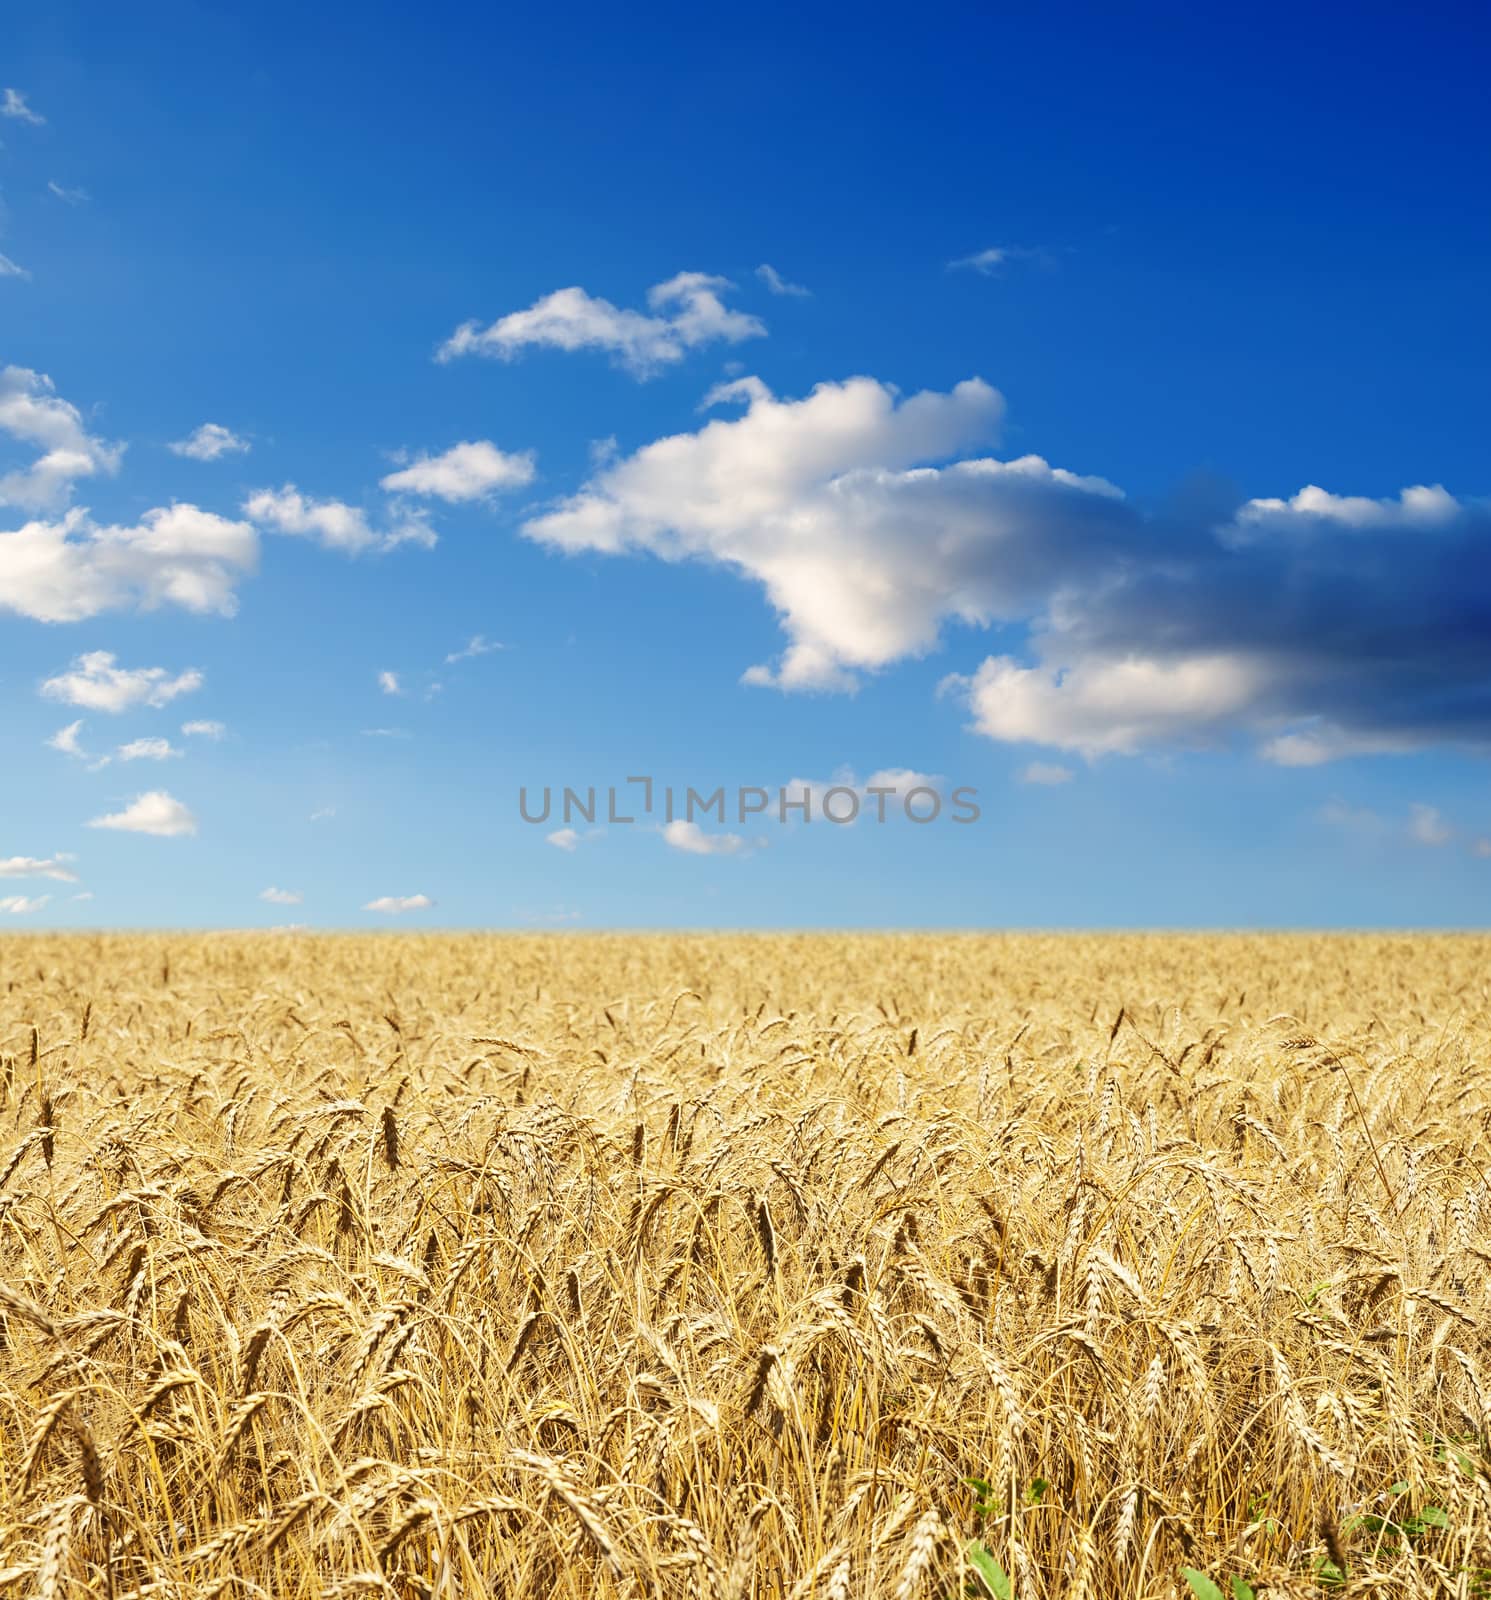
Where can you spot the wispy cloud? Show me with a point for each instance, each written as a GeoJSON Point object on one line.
{"type": "Point", "coordinates": [396, 904]}
{"type": "Point", "coordinates": [12, 269]}
{"type": "Point", "coordinates": [156, 812]}
{"type": "Point", "coordinates": [209, 442]}
{"type": "Point", "coordinates": [14, 106]}
{"type": "Point", "coordinates": [204, 729]}
{"type": "Point", "coordinates": [66, 739]}
{"type": "Point", "coordinates": [97, 684]}
{"type": "Point", "coordinates": [38, 867]}
{"type": "Point", "coordinates": [1426, 825]}
{"type": "Point", "coordinates": [18, 905]}
{"type": "Point", "coordinates": [70, 197]}
{"type": "Point", "coordinates": [153, 749]}
{"type": "Point", "coordinates": [683, 314]}
{"type": "Point", "coordinates": [388, 682]}
{"type": "Point", "coordinates": [774, 281]}
{"type": "Point", "coordinates": [1046, 772]}
{"type": "Point", "coordinates": [479, 645]}
{"type": "Point", "coordinates": [987, 263]}
{"type": "Point", "coordinates": [281, 897]}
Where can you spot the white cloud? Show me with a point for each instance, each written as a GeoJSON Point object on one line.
{"type": "Point", "coordinates": [863, 552]}
{"type": "Point", "coordinates": [96, 683]}
{"type": "Point", "coordinates": [87, 894]}
{"type": "Point", "coordinates": [872, 798]}
{"type": "Point", "coordinates": [1046, 772]}
{"type": "Point", "coordinates": [322, 814]}
{"type": "Point", "coordinates": [1105, 707]}
{"type": "Point", "coordinates": [332, 523]}
{"type": "Point", "coordinates": [66, 740]}
{"type": "Point", "coordinates": [72, 569]}
{"type": "Point", "coordinates": [987, 263]}
{"type": "Point", "coordinates": [35, 867]}
{"type": "Point", "coordinates": [1427, 826]}
{"type": "Point", "coordinates": [692, 839]}
{"type": "Point", "coordinates": [1482, 848]}
{"type": "Point", "coordinates": [396, 904]}
{"type": "Point", "coordinates": [281, 897]}
{"type": "Point", "coordinates": [1359, 820]}
{"type": "Point", "coordinates": [32, 413]}
{"type": "Point", "coordinates": [983, 261]}
{"type": "Point", "coordinates": [473, 470]}
{"type": "Point", "coordinates": [683, 314]}
{"type": "Point", "coordinates": [479, 645]}
{"type": "Point", "coordinates": [70, 197]}
{"type": "Point", "coordinates": [563, 838]}
{"type": "Point", "coordinates": [14, 106]}
{"type": "Point", "coordinates": [156, 812]}
{"type": "Point", "coordinates": [204, 729]}
{"type": "Point", "coordinates": [385, 733]}
{"type": "Point", "coordinates": [388, 682]}
{"type": "Point", "coordinates": [774, 281]}
{"type": "Point", "coordinates": [18, 904]}
{"type": "Point", "coordinates": [208, 442]}
{"type": "Point", "coordinates": [12, 269]}
{"type": "Point", "coordinates": [147, 750]}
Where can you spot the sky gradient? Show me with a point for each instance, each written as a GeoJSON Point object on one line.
{"type": "Point", "coordinates": [1086, 410]}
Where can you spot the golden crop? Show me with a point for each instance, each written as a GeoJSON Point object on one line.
{"type": "Point", "coordinates": [630, 1266]}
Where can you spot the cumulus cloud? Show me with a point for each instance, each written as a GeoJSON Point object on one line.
{"type": "Point", "coordinates": [396, 904]}
{"type": "Point", "coordinates": [15, 107]}
{"type": "Point", "coordinates": [388, 682]}
{"type": "Point", "coordinates": [32, 413]}
{"type": "Point", "coordinates": [281, 897]}
{"type": "Point", "coordinates": [1319, 625]}
{"type": "Point", "coordinates": [322, 814]}
{"type": "Point", "coordinates": [37, 867]}
{"type": "Point", "coordinates": [474, 470]}
{"type": "Point", "coordinates": [864, 551]}
{"type": "Point", "coordinates": [209, 442]}
{"type": "Point", "coordinates": [70, 569]}
{"type": "Point", "coordinates": [777, 284]}
{"type": "Point", "coordinates": [692, 840]}
{"type": "Point", "coordinates": [17, 905]}
{"type": "Point", "coordinates": [1426, 825]}
{"type": "Point", "coordinates": [562, 838]}
{"type": "Point", "coordinates": [156, 812]}
{"type": "Point", "coordinates": [1482, 849]}
{"type": "Point", "coordinates": [1047, 773]}
{"type": "Point", "coordinates": [96, 683]}
{"type": "Point", "coordinates": [148, 750]}
{"type": "Point", "coordinates": [204, 729]}
{"type": "Point", "coordinates": [334, 524]}
{"type": "Point", "coordinates": [683, 314]}
{"type": "Point", "coordinates": [478, 645]}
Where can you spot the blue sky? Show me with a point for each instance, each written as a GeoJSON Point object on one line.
{"type": "Point", "coordinates": [1123, 459]}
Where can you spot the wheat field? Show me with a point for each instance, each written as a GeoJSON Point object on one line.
{"type": "Point", "coordinates": [745, 1267]}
